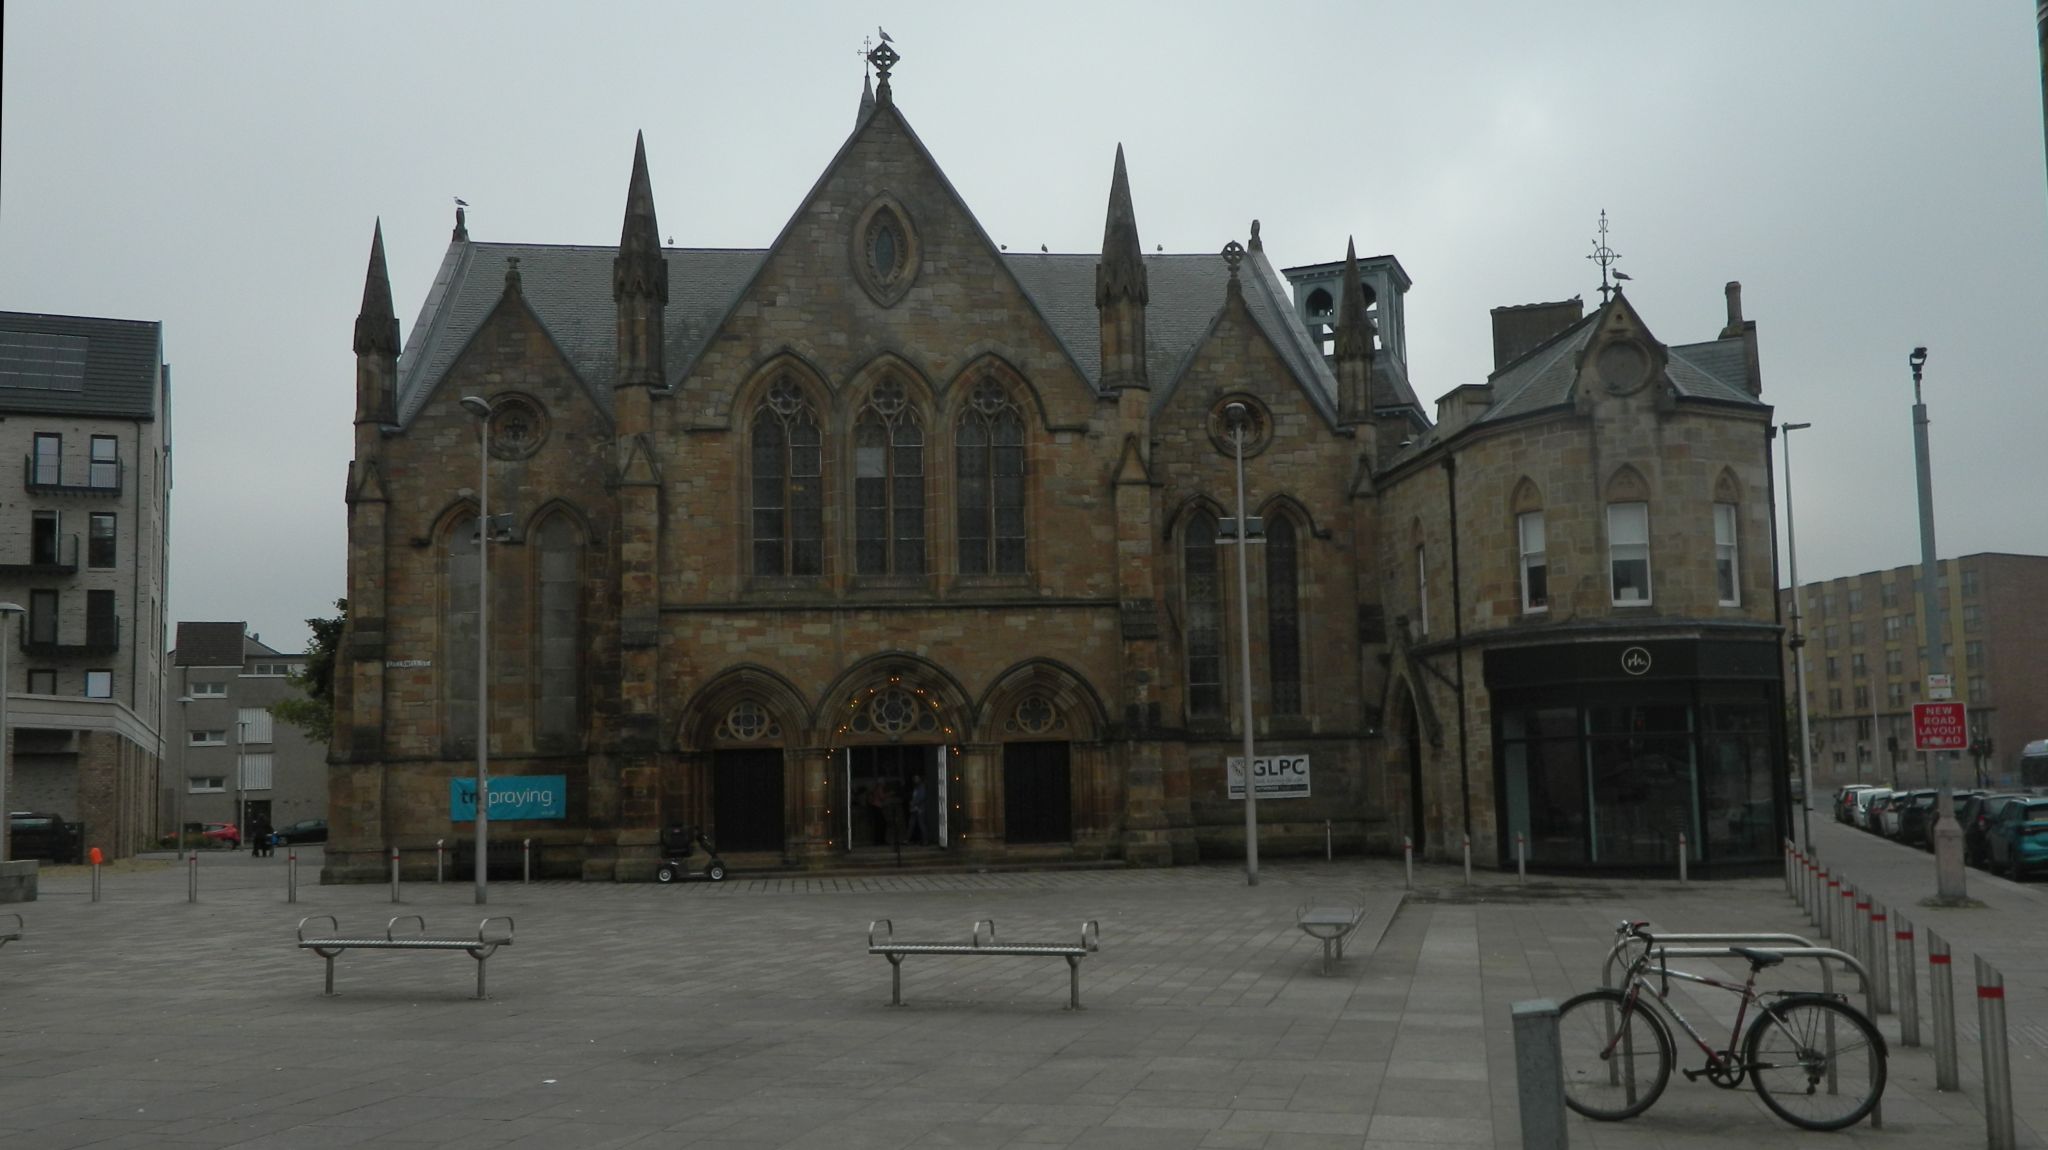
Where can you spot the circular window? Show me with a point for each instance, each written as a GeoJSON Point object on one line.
{"type": "Point", "coordinates": [1235, 413]}
{"type": "Point", "coordinates": [1624, 366]}
{"type": "Point", "coordinates": [518, 427]}
{"type": "Point", "coordinates": [884, 251]}
{"type": "Point", "coordinates": [747, 722]}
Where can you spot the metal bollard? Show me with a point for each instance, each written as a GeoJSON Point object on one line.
{"type": "Point", "coordinates": [1998, 1123]}
{"type": "Point", "coordinates": [1909, 981]}
{"type": "Point", "coordinates": [1861, 925]}
{"type": "Point", "coordinates": [439, 846]}
{"type": "Point", "coordinates": [1790, 854]}
{"type": "Point", "coordinates": [526, 859]}
{"type": "Point", "coordinates": [291, 876]}
{"type": "Point", "coordinates": [1468, 860]}
{"type": "Point", "coordinates": [1832, 887]}
{"type": "Point", "coordinates": [95, 879]}
{"type": "Point", "coordinates": [1539, 1075]}
{"type": "Point", "coordinates": [192, 879]}
{"type": "Point", "coordinates": [1408, 858]}
{"type": "Point", "coordinates": [1880, 958]}
{"type": "Point", "coordinates": [394, 874]}
{"type": "Point", "coordinates": [1942, 990]}
{"type": "Point", "coordinates": [1329, 849]}
{"type": "Point", "coordinates": [1845, 919]}
{"type": "Point", "coordinates": [1521, 857]}
{"type": "Point", "coordinates": [1682, 854]}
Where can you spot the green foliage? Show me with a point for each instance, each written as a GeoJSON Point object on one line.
{"type": "Point", "coordinates": [314, 714]}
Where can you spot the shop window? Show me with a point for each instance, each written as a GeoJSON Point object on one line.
{"type": "Point", "coordinates": [1628, 546]}
{"type": "Point", "coordinates": [1202, 589]}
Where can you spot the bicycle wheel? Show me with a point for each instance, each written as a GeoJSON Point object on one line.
{"type": "Point", "coordinates": [1617, 1056]}
{"type": "Point", "coordinates": [1817, 1062]}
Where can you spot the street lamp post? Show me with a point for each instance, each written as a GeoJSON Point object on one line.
{"type": "Point", "coordinates": [1949, 882]}
{"type": "Point", "coordinates": [241, 799]}
{"type": "Point", "coordinates": [1238, 416]}
{"type": "Point", "coordinates": [1799, 652]}
{"type": "Point", "coordinates": [183, 782]}
{"type": "Point", "coordinates": [7, 611]}
{"type": "Point", "coordinates": [481, 408]}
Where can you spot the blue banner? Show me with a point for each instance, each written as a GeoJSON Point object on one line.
{"type": "Point", "coordinates": [512, 797]}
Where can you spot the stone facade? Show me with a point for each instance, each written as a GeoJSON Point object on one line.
{"type": "Point", "coordinates": [884, 537]}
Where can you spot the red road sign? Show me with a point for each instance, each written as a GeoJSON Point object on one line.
{"type": "Point", "coordinates": [1941, 727]}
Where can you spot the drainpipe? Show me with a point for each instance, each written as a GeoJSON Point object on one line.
{"type": "Point", "coordinates": [1458, 640]}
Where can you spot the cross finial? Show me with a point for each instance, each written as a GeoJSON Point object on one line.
{"type": "Point", "coordinates": [1605, 257]}
{"type": "Point", "coordinates": [882, 58]}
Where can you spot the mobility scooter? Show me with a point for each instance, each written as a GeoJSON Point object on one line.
{"type": "Point", "coordinates": [678, 843]}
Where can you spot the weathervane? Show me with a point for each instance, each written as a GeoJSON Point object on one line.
{"type": "Point", "coordinates": [1606, 257]}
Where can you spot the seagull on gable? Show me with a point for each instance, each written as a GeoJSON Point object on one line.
{"type": "Point", "coordinates": [883, 35]}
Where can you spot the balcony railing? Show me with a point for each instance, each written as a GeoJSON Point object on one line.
{"type": "Point", "coordinates": [102, 477]}
{"type": "Point", "coordinates": [57, 556]}
{"type": "Point", "coordinates": [102, 637]}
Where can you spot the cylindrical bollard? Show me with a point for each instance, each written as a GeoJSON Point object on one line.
{"type": "Point", "coordinates": [526, 859]}
{"type": "Point", "coordinates": [192, 879]}
{"type": "Point", "coordinates": [394, 874]}
{"type": "Point", "coordinates": [95, 877]}
{"type": "Point", "coordinates": [1845, 919]}
{"type": "Point", "coordinates": [1408, 858]}
{"type": "Point", "coordinates": [1521, 857]}
{"type": "Point", "coordinates": [1880, 957]}
{"type": "Point", "coordinates": [1909, 981]}
{"type": "Point", "coordinates": [439, 846]}
{"type": "Point", "coordinates": [1830, 888]}
{"type": "Point", "coordinates": [1942, 992]}
{"type": "Point", "coordinates": [1329, 843]}
{"type": "Point", "coordinates": [1791, 854]}
{"type": "Point", "coordinates": [291, 876]}
{"type": "Point", "coordinates": [1998, 1123]}
{"type": "Point", "coordinates": [1682, 856]}
{"type": "Point", "coordinates": [1813, 893]}
{"type": "Point", "coordinates": [1861, 925]}
{"type": "Point", "coordinates": [1468, 860]}
{"type": "Point", "coordinates": [1539, 1075]}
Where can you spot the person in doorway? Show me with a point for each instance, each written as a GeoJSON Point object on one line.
{"type": "Point", "coordinates": [878, 814]}
{"type": "Point", "coordinates": [259, 837]}
{"type": "Point", "coordinates": [917, 797]}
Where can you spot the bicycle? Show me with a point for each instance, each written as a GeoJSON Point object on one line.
{"type": "Point", "coordinates": [1815, 1060]}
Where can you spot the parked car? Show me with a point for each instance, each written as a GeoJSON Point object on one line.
{"type": "Point", "coordinates": [1845, 801]}
{"type": "Point", "coordinates": [1922, 835]}
{"type": "Point", "coordinates": [1863, 800]}
{"type": "Point", "coordinates": [1906, 816]}
{"type": "Point", "coordinates": [303, 831]}
{"type": "Point", "coordinates": [1976, 817]}
{"type": "Point", "coordinates": [35, 835]}
{"type": "Point", "coordinates": [221, 835]}
{"type": "Point", "coordinates": [2018, 837]}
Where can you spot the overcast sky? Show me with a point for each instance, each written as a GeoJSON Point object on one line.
{"type": "Point", "coordinates": [1871, 171]}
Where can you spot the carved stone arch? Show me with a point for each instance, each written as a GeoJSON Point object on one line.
{"type": "Point", "coordinates": [1286, 505]}
{"type": "Point", "coordinates": [1012, 705]}
{"type": "Point", "coordinates": [989, 365]}
{"type": "Point", "coordinates": [1526, 497]}
{"type": "Point", "coordinates": [1627, 485]}
{"type": "Point", "coordinates": [1189, 506]}
{"type": "Point", "coordinates": [562, 507]}
{"type": "Point", "coordinates": [783, 364]}
{"type": "Point", "coordinates": [845, 703]}
{"type": "Point", "coordinates": [862, 381]}
{"type": "Point", "coordinates": [704, 717]}
{"type": "Point", "coordinates": [1727, 489]}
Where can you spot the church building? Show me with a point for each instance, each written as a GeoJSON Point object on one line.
{"type": "Point", "coordinates": [882, 542]}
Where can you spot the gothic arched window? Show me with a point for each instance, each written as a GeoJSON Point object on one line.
{"type": "Point", "coordinates": [458, 639]}
{"type": "Point", "coordinates": [989, 464]}
{"type": "Point", "coordinates": [1283, 616]}
{"type": "Point", "coordinates": [788, 499]}
{"type": "Point", "coordinates": [558, 553]}
{"type": "Point", "coordinates": [888, 485]}
{"type": "Point", "coordinates": [1204, 594]}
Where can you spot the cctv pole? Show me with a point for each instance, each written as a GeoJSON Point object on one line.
{"type": "Point", "coordinates": [1949, 882]}
{"type": "Point", "coordinates": [1799, 655]}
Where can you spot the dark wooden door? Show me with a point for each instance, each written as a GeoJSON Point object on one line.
{"type": "Point", "coordinates": [746, 800]}
{"type": "Point", "coordinates": [1038, 793]}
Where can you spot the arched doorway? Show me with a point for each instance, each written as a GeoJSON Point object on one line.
{"type": "Point", "coordinates": [734, 778]}
{"type": "Point", "coordinates": [1044, 723]}
{"type": "Point", "coordinates": [896, 756]}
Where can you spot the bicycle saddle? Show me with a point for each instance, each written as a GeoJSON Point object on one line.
{"type": "Point", "coordinates": [1758, 959]}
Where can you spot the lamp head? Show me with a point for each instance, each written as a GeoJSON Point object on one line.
{"type": "Point", "coordinates": [1236, 414]}
{"type": "Point", "coordinates": [1797, 426]}
{"type": "Point", "coordinates": [477, 405]}
{"type": "Point", "coordinates": [1918, 359]}
{"type": "Point", "coordinates": [12, 608]}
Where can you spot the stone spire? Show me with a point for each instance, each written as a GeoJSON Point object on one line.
{"type": "Point", "coordinates": [1354, 345]}
{"type": "Point", "coordinates": [376, 323]}
{"type": "Point", "coordinates": [1121, 291]}
{"type": "Point", "coordinates": [867, 99]}
{"type": "Point", "coordinates": [640, 268]}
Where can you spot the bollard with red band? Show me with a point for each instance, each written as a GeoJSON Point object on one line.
{"type": "Point", "coordinates": [1860, 924]}
{"type": "Point", "coordinates": [1880, 958]}
{"type": "Point", "coordinates": [1942, 992]}
{"type": "Point", "coordinates": [1909, 979]}
{"type": "Point", "coordinates": [1830, 887]}
{"type": "Point", "coordinates": [1998, 1120]}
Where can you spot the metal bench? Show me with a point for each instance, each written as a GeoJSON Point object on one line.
{"type": "Point", "coordinates": [479, 946]}
{"type": "Point", "coordinates": [1331, 924]}
{"type": "Point", "coordinates": [894, 951]}
{"type": "Point", "coordinates": [10, 934]}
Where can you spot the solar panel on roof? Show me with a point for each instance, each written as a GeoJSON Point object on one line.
{"type": "Point", "coordinates": [42, 361]}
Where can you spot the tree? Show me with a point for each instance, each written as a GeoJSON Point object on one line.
{"type": "Point", "coordinates": [314, 713]}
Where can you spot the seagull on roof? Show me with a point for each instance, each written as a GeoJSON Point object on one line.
{"type": "Point", "coordinates": [883, 35]}
{"type": "Point", "coordinates": [1621, 275]}
{"type": "Point", "coordinates": [1043, 248]}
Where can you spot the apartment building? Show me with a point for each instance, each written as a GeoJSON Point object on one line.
{"type": "Point", "coordinates": [1866, 665]}
{"type": "Point", "coordinates": [85, 406]}
{"type": "Point", "coordinates": [228, 750]}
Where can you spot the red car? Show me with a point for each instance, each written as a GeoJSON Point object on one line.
{"type": "Point", "coordinates": [222, 835]}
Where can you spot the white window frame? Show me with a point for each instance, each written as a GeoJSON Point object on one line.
{"type": "Point", "coordinates": [1727, 565]}
{"type": "Point", "coordinates": [206, 785]}
{"type": "Point", "coordinates": [1628, 542]}
{"type": "Point", "coordinates": [100, 676]}
{"type": "Point", "coordinates": [207, 738]}
{"type": "Point", "coordinates": [1534, 557]}
{"type": "Point", "coordinates": [210, 689]}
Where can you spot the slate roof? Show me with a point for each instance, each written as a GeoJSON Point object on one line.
{"type": "Point", "coordinates": [123, 360]}
{"type": "Point", "coordinates": [209, 645]}
{"type": "Point", "coordinates": [570, 289]}
{"type": "Point", "coordinates": [1542, 379]}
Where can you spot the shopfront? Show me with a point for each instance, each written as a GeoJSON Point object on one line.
{"type": "Point", "coordinates": [1605, 752]}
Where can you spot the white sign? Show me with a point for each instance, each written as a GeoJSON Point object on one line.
{"type": "Point", "coordinates": [1279, 776]}
{"type": "Point", "coordinates": [1941, 687]}
{"type": "Point", "coordinates": [407, 664]}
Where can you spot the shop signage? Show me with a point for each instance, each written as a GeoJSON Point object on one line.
{"type": "Point", "coordinates": [1940, 727]}
{"type": "Point", "coordinates": [407, 664]}
{"type": "Point", "coordinates": [1278, 776]}
{"type": "Point", "coordinates": [1636, 661]}
{"type": "Point", "coordinates": [512, 797]}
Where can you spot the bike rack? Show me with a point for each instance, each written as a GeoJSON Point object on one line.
{"type": "Point", "coordinates": [1718, 937]}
